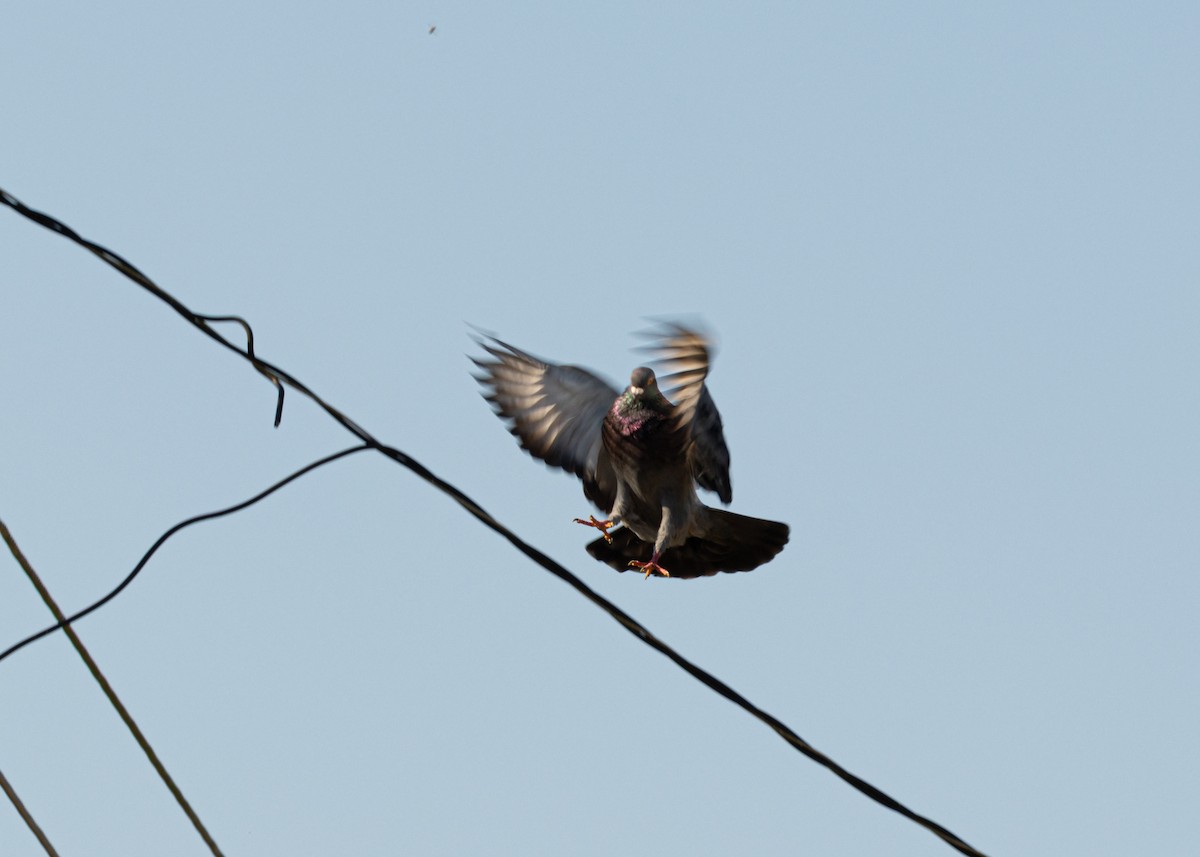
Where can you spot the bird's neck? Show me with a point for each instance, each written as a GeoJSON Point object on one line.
{"type": "Point", "coordinates": [632, 412]}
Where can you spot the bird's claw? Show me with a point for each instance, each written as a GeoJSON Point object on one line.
{"type": "Point", "coordinates": [649, 567]}
{"type": "Point", "coordinates": [602, 526]}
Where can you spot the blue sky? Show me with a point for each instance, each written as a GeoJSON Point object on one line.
{"type": "Point", "coordinates": [949, 251]}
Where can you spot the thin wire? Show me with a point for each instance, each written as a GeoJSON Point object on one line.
{"type": "Point", "coordinates": [94, 668]}
{"type": "Point", "coordinates": [237, 319]}
{"type": "Point", "coordinates": [626, 621]}
{"type": "Point", "coordinates": [116, 590]}
{"type": "Point", "coordinates": [24, 813]}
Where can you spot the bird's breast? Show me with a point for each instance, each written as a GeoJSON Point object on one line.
{"type": "Point", "coordinates": [639, 441]}
{"type": "Point", "coordinates": [630, 426]}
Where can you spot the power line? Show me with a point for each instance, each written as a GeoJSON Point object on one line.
{"type": "Point", "coordinates": [25, 816]}
{"type": "Point", "coordinates": [279, 378]}
{"type": "Point", "coordinates": [94, 668]}
{"type": "Point", "coordinates": [116, 590]}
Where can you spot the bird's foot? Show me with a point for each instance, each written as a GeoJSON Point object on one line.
{"type": "Point", "coordinates": [649, 567]}
{"type": "Point", "coordinates": [602, 526]}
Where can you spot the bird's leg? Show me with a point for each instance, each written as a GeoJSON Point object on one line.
{"type": "Point", "coordinates": [650, 567]}
{"type": "Point", "coordinates": [667, 528]}
{"type": "Point", "coordinates": [602, 526]}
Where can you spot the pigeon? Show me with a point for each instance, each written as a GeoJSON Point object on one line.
{"type": "Point", "coordinates": [640, 455]}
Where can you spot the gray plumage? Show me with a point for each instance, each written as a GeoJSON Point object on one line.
{"type": "Point", "coordinates": [639, 454]}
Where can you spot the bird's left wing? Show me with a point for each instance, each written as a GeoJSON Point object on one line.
{"type": "Point", "coordinates": [556, 412]}
{"type": "Point", "coordinates": [685, 354]}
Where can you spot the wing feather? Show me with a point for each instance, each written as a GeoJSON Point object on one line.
{"type": "Point", "coordinates": [685, 355]}
{"type": "Point", "coordinates": [556, 412]}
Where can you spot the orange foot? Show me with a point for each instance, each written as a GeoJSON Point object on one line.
{"type": "Point", "coordinates": [602, 526]}
{"type": "Point", "coordinates": [649, 567]}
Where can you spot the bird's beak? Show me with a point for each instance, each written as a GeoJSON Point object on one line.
{"type": "Point", "coordinates": [637, 391]}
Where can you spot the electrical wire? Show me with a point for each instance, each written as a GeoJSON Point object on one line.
{"type": "Point", "coordinates": [7, 788]}
{"type": "Point", "coordinates": [122, 711]}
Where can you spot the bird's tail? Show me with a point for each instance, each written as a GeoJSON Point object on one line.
{"type": "Point", "coordinates": [731, 542]}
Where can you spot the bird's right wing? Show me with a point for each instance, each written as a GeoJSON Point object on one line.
{"type": "Point", "coordinates": [556, 412]}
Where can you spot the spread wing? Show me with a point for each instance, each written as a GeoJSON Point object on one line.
{"type": "Point", "coordinates": [556, 412]}
{"type": "Point", "coordinates": [684, 355]}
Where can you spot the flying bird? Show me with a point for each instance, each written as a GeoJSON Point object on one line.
{"type": "Point", "coordinates": [640, 455]}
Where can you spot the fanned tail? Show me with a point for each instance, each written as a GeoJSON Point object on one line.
{"type": "Point", "coordinates": [732, 542]}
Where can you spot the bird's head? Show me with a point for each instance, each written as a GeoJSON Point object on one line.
{"type": "Point", "coordinates": [643, 386]}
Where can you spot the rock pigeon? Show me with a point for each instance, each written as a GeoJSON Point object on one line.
{"type": "Point", "coordinates": [640, 455]}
